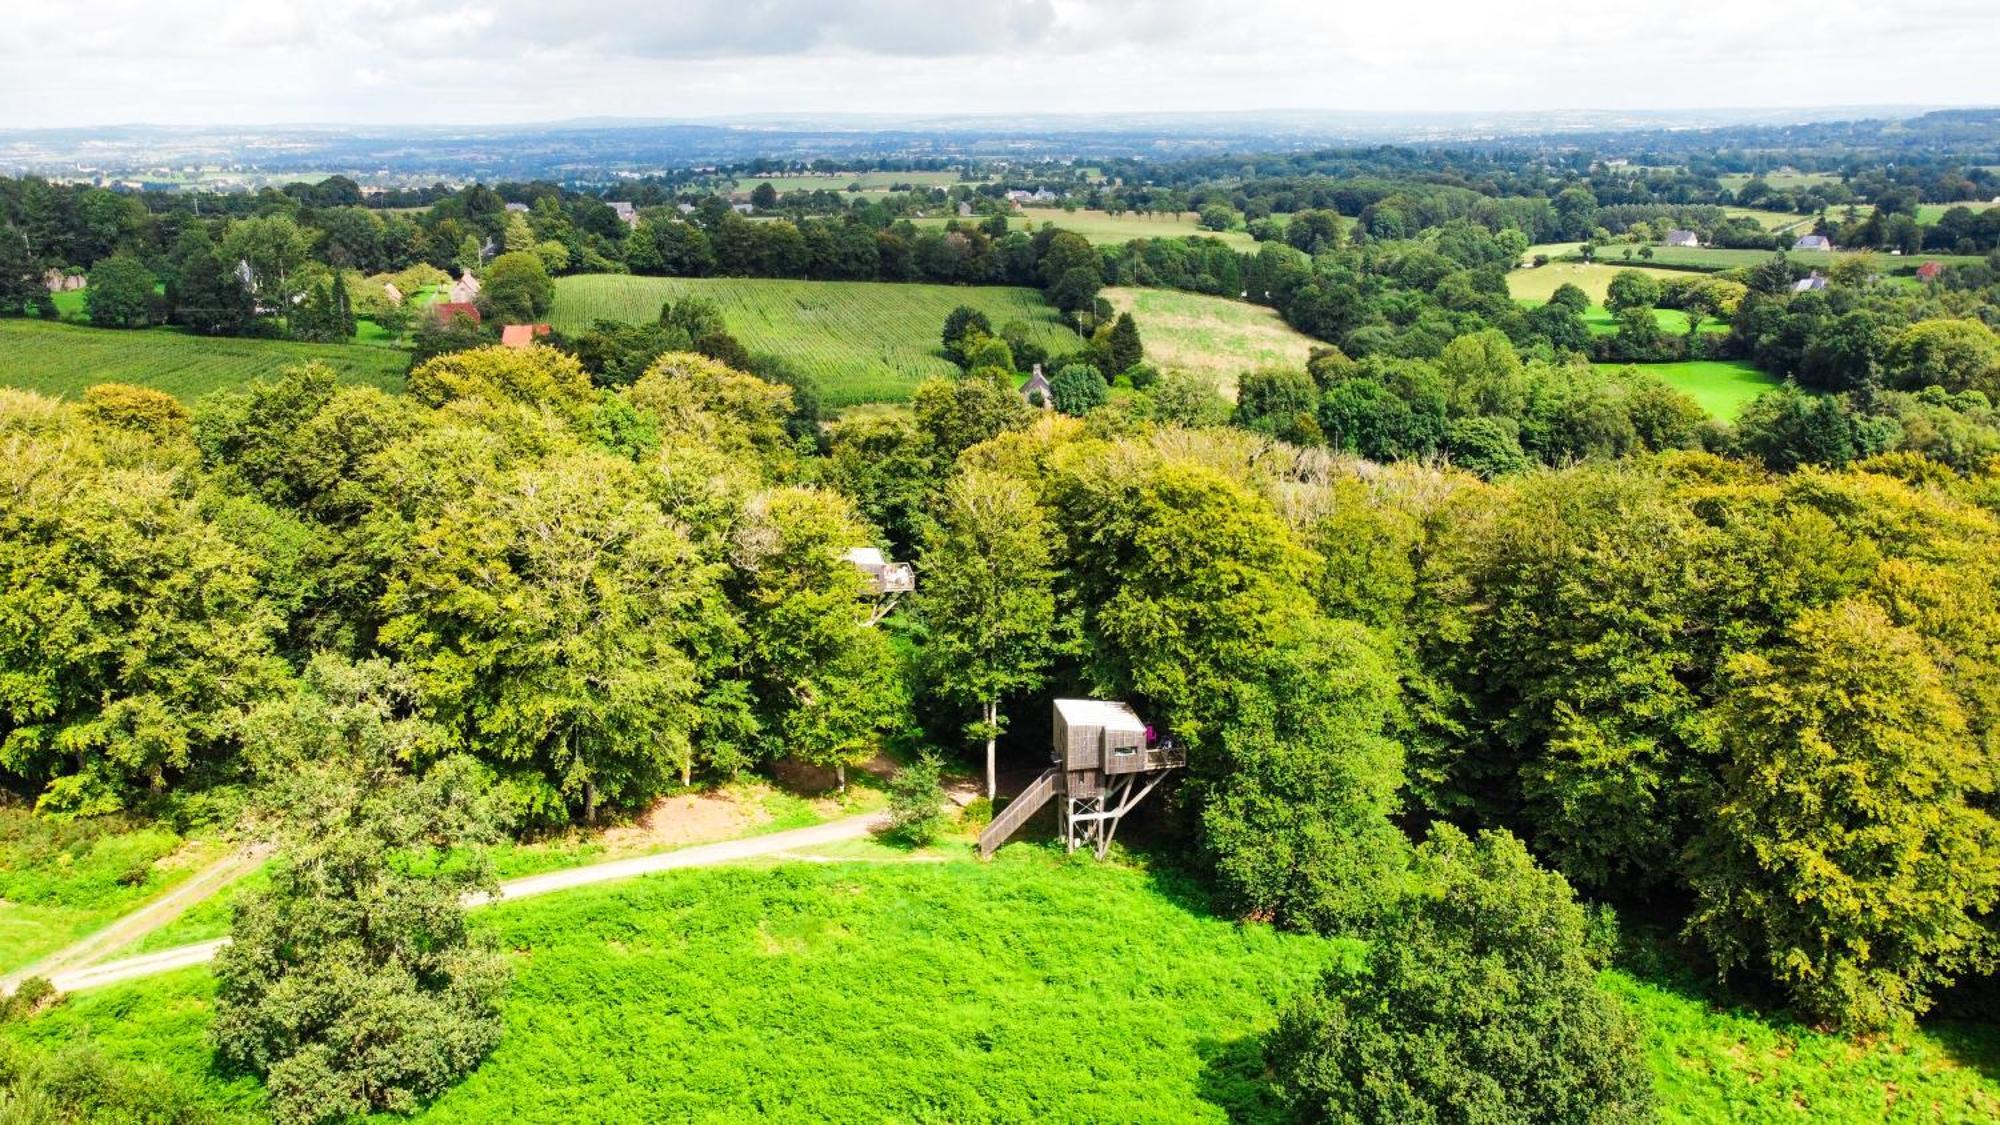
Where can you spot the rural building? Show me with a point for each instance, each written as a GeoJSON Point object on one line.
{"type": "Point", "coordinates": [63, 281]}
{"type": "Point", "coordinates": [1812, 284]}
{"type": "Point", "coordinates": [1813, 242]}
{"type": "Point", "coordinates": [1036, 390]}
{"type": "Point", "coordinates": [394, 294]}
{"type": "Point", "coordinates": [965, 210]}
{"type": "Point", "coordinates": [1929, 271]}
{"type": "Point", "coordinates": [1683, 238]}
{"type": "Point", "coordinates": [627, 214]}
{"type": "Point", "coordinates": [742, 208]}
{"type": "Point", "coordinates": [518, 208]}
{"type": "Point", "coordinates": [881, 579]}
{"type": "Point", "coordinates": [465, 290]}
{"type": "Point", "coordinates": [1025, 198]}
{"type": "Point", "coordinates": [521, 335]}
{"type": "Point", "coordinates": [684, 208]}
{"type": "Point", "coordinates": [450, 309]}
{"type": "Point", "coordinates": [1104, 759]}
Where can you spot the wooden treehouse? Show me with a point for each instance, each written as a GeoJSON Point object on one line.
{"type": "Point", "coordinates": [882, 580]}
{"type": "Point", "coordinates": [1100, 769]}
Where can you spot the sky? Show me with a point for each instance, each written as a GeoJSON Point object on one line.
{"type": "Point", "coordinates": [224, 62]}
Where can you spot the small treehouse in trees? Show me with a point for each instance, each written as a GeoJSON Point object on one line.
{"type": "Point", "coordinates": [881, 579]}
{"type": "Point", "coordinates": [1101, 767]}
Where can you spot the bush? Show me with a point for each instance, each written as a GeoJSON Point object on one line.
{"type": "Point", "coordinates": [1078, 389]}
{"type": "Point", "coordinates": [977, 813]}
{"type": "Point", "coordinates": [1478, 1001]}
{"type": "Point", "coordinates": [916, 802]}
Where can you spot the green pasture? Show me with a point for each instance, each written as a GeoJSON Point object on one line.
{"type": "Point", "coordinates": [865, 341]}
{"type": "Point", "coordinates": [1213, 336]}
{"type": "Point", "coordinates": [1722, 387]}
{"type": "Point", "coordinates": [63, 359]}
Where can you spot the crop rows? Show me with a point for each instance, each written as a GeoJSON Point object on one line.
{"type": "Point", "coordinates": [63, 359]}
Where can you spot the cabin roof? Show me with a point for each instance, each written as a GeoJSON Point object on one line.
{"type": "Point", "coordinates": [1106, 713]}
{"type": "Point", "coordinates": [867, 558]}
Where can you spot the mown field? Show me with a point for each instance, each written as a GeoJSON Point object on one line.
{"type": "Point", "coordinates": [1105, 229]}
{"type": "Point", "coordinates": [1711, 259]}
{"type": "Point", "coordinates": [1032, 988]}
{"type": "Point", "coordinates": [1783, 181]}
{"type": "Point", "coordinates": [865, 341]}
{"type": "Point", "coordinates": [63, 359]}
{"type": "Point", "coordinates": [1722, 387]}
{"type": "Point", "coordinates": [1929, 213]}
{"type": "Point", "coordinates": [869, 181]}
{"type": "Point", "coordinates": [1213, 336]}
{"type": "Point", "coordinates": [1536, 285]}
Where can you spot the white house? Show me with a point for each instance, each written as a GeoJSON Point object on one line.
{"type": "Point", "coordinates": [465, 290]}
{"type": "Point", "coordinates": [1683, 238]}
{"type": "Point", "coordinates": [1812, 242]}
{"type": "Point", "coordinates": [627, 214]}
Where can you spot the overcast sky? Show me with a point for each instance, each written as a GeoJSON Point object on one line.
{"type": "Point", "coordinates": [445, 61]}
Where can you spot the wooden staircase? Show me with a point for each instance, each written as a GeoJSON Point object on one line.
{"type": "Point", "coordinates": [1017, 813]}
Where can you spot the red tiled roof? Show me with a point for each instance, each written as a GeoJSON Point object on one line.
{"type": "Point", "coordinates": [450, 309]}
{"type": "Point", "coordinates": [521, 335]}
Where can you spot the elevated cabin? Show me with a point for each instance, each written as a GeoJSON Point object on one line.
{"type": "Point", "coordinates": [1101, 767]}
{"type": "Point", "coordinates": [882, 576]}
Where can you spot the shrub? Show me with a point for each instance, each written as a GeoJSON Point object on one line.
{"type": "Point", "coordinates": [1078, 389]}
{"type": "Point", "coordinates": [916, 802]}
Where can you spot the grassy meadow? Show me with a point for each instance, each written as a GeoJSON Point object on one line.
{"type": "Point", "coordinates": [1102, 228]}
{"type": "Point", "coordinates": [1032, 988]}
{"type": "Point", "coordinates": [865, 341]}
{"type": "Point", "coordinates": [1213, 336]}
{"type": "Point", "coordinates": [869, 181]}
{"type": "Point", "coordinates": [60, 880]}
{"type": "Point", "coordinates": [1708, 259]}
{"type": "Point", "coordinates": [1536, 285]}
{"type": "Point", "coordinates": [1929, 213]}
{"type": "Point", "coordinates": [1722, 387]}
{"type": "Point", "coordinates": [63, 359]}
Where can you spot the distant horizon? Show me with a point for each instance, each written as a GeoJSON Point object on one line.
{"type": "Point", "coordinates": [225, 63]}
{"type": "Point", "coordinates": [1104, 120]}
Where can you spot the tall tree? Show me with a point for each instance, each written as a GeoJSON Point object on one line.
{"type": "Point", "coordinates": [988, 598]}
{"type": "Point", "coordinates": [1848, 855]}
{"type": "Point", "coordinates": [351, 982]}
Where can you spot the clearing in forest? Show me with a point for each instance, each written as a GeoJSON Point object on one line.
{"type": "Point", "coordinates": [1212, 336]}
{"type": "Point", "coordinates": [865, 341]}
{"type": "Point", "coordinates": [1722, 387]}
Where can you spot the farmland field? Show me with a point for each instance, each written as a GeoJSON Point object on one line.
{"type": "Point", "coordinates": [1212, 336]}
{"type": "Point", "coordinates": [1783, 181]}
{"type": "Point", "coordinates": [1603, 322]}
{"type": "Point", "coordinates": [63, 359]}
{"type": "Point", "coordinates": [1929, 213]}
{"type": "Point", "coordinates": [1770, 220]}
{"type": "Point", "coordinates": [1104, 229]}
{"type": "Point", "coordinates": [869, 181]}
{"type": "Point", "coordinates": [1539, 284]}
{"type": "Point", "coordinates": [865, 341]}
{"type": "Point", "coordinates": [1722, 387]}
{"type": "Point", "coordinates": [1710, 259]}
{"type": "Point", "coordinates": [1025, 989]}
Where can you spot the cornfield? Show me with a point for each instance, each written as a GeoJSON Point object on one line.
{"type": "Point", "coordinates": [63, 359]}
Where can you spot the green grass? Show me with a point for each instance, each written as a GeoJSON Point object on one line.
{"type": "Point", "coordinates": [1537, 285]}
{"type": "Point", "coordinates": [63, 359]}
{"type": "Point", "coordinates": [1712, 259]}
{"type": "Point", "coordinates": [869, 181]}
{"type": "Point", "coordinates": [1101, 228]}
{"type": "Point", "coordinates": [1213, 336]}
{"type": "Point", "coordinates": [1783, 181]}
{"type": "Point", "coordinates": [1722, 387]}
{"type": "Point", "coordinates": [1603, 322]}
{"type": "Point", "coordinates": [1715, 1063]}
{"type": "Point", "coordinates": [61, 880]}
{"type": "Point", "coordinates": [1770, 220]}
{"type": "Point", "coordinates": [865, 341]}
{"type": "Point", "coordinates": [1031, 988]}
{"type": "Point", "coordinates": [1929, 213]}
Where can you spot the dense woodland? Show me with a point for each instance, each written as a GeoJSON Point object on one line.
{"type": "Point", "coordinates": [1458, 629]}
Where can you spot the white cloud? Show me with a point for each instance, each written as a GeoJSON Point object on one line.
{"type": "Point", "coordinates": [214, 61]}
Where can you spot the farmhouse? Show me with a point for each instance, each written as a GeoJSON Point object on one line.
{"type": "Point", "coordinates": [522, 335]}
{"type": "Point", "coordinates": [62, 281]}
{"type": "Point", "coordinates": [465, 290]}
{"type": "Point", "coordinates": [1683, 238]}
{"type": "Point", "coordinates": [627, 214]}
{"type": "Point", "coordinates": [1812, 284]}
{"type": "Point", "coordinates": [394, 294]}
{"type": "Point", "coordinates": [742, 208]}
{"type": "Point", "coordinates": [1813, 242]}
{"type": "Point", "coordinates": [448, 310]}
{"type": "Point", "coordinates": [1036, 390]}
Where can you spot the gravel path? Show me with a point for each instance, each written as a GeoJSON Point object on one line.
{"type": "Point", "coordinates": [78, 975]}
